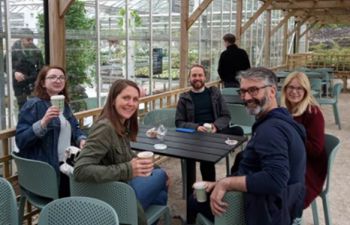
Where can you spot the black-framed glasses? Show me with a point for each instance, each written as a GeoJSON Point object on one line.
{"type": "Point", "coordinates": [253, 91]}
{"type": "Point", "coordinates": [54, 78]}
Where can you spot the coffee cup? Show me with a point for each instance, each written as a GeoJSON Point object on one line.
{"type": "Point", "coordinates": [208, 127]}
{"type": "Point", "coordinates": [199, 188]}
{"type": "Point", "coordinates": [58, 101]}
{"type": "Point", "coordinates": [146, 155]}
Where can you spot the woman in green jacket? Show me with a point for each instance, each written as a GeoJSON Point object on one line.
{"type": "Point", "coordinates": [107, 155]}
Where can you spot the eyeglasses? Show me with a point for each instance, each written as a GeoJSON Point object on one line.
{"type": "Point", "coordinates": [54, 78]}
{"type": "Point", "coordinates": [253, 91]}
{"type": "Point", "coordinates": [292, 88]}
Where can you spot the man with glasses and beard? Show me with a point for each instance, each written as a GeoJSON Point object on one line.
{"type": "Point", "coordinates": [203, 105]}
{"type": "Point", "coordinates": [272, 169]}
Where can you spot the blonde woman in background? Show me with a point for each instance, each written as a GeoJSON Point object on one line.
{"type": "Point", "coordinates": [297, 97]}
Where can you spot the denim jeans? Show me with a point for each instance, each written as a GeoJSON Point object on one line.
{"type": "Point", "coordinates": [151, 190]}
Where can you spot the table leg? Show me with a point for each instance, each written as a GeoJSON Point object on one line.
{"type": "Point", "coordinates": [190, 179]}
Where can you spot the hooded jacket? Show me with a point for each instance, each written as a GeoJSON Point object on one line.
{"type": "Point", "coordinates": [274, 164]}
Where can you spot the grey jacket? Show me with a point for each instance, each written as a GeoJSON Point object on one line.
{"type": "Point", "coordinates": [185, 111]}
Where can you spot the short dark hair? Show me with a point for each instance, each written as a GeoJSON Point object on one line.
{"type": "Point", "coordinates": [259, 73]}
{"type": "Point", "coordinates": [26, 32]}
{"type": "Point", "coordinates": [197, 65]}
{"type": "Point", "coordinates": [39, 89]}
{"type": "Point", "coordinates": [230, 38]}
{"type": "Point", "coordinates": [109, 112]}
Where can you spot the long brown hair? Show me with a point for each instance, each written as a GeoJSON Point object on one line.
{"type": "Point", "coordinates": [39, 89]}
{"type": "Point", "coordinates": [109, 112]}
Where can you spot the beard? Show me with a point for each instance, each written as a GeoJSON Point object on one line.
{"type": "Point", "coordinates": [197, 84]}
{"type": "Point", "coordinates": [259, 105]}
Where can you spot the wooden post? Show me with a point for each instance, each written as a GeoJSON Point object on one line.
{"type": "Point", "coordinates": [267, 39]}
{"type": "Point", "coordinates": [57, 29]}
{"type": "Point", "coordinates": [184, 43]}
{"type": "Point", "coordinates": [239, 8]}
{"type": "Point", "coordinates": [285, 43]}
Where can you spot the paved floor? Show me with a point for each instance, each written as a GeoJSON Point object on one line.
{"type": "Point", "coordinates": [339, 195]}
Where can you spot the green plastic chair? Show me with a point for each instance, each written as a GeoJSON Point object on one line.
{"type": "Point", "coordinates": [240, 117]}
{"type": "Point", "coordinates": [78, 211]}
{"type": "Point", "coordinates": [8, 204]}
{"type": "Point", "coordinates": [233, 215]}
{"type": "Point", "coordinates": [332, 144]}
{"type": "Point", "coordinates": [122, 198]}
{"type": "Point", "coordinates": [334, 102]}
{"type": "Point", "coordinates": [38, 182]}
{"type": "Point", "coordinates": [316, 86]}
{"type": "Point", "coordinates": [164, 116]}
{"type": "Point", "coordinates": [229, 91]}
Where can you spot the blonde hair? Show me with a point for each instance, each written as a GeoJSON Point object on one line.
{"type": "Point", "coordinates": [308, 99]}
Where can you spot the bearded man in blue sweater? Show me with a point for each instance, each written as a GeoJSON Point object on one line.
{"type": "Point", "coordinates": [272, 169]}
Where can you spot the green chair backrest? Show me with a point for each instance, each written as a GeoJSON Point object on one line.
{"type": "Point", "coordinates": [119, 195]}
{"type": "Point", "coordinates": [78, 211]}
{"type": "Point", "coordinates": [235, 212]}
{"type": "Point", "coordinates": [37, 177]}
{"type": "Point", "coordinates": [332, 144]}
{"type": "Point", "coordinates": [164, 116]}
{"type": "Point", "coordinates": [239, 115]}
{"type": "Point", "coordinates": [336, 90]}
{"type": "Point", "coordinates": [8, 205]}
{"type": "Point", "coordinates": [229, 91]}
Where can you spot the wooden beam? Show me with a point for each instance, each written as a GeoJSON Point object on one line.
{"type": "Point", "coordinates": [283, 21]}
{"type": "Point", "coordinates": [310, 4]}
{"type": "Point", "coordinates": [64, 6]}
{"type": "Point", "coordinates": [195, 15]}
{"type": "Point", "coordinates": [267, 39]}
{"type": "Point", "coordinates": [57, 35]}
{"type": "Point", "coordinates": [239, 11]}
{"type": "Point", "coordinates": [285, 44]}
{"type": "Point", "coordinates": [299, 24]}
{"type": "Point", "coordinates": [184, 43]}
{"type": "Point", "coordinates": [256, 15]}
{"type": "Point", "coordinates": [309, 28]}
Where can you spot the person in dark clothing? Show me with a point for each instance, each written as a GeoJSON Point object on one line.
{"type": "Point", "coordinates": [198, 106]}
{"type": "Point", "coordinates": [272, 170]}
{"type": "Point", "coordinates": [231, 61]}
{"type": "Point", "coordinates": [27, 61]}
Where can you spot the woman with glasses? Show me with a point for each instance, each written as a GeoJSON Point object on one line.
{"type": "Point", "coordinates": [43, 132]}
{"type": "Point", "coordinates": [298, 99]}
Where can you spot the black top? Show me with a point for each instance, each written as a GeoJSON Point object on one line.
{"type": "Point", "coordinates": [203, 111]}
{"type": "Point", "coordinates": [231, 61]}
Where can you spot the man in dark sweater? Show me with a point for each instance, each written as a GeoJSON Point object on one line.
{"type": "Point", "coordinates": [198, 106]}
{"type": "Point", "coordinates": [231, 61]}
{"type": "Point", "coordinates": [272, 170]}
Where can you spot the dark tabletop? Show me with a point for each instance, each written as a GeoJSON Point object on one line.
{"type": "Point", "coordinates": [197, 146]}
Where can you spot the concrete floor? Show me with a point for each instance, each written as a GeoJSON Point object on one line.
{"type": "Point", "coordinates": [339, 193]}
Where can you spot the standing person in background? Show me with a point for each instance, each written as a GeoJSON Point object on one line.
{"type": "Point", "coordinates": [298, 99]}
{"type": "Point", "coordinates": [107, 155]}
{"type": "Point", "coordinates": [27, 61]}
{"type": "Point", "coordinates": [231, 61]}
{"type": "Point", "coordinates": [43, 132]}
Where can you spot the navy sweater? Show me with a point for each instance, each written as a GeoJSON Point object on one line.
{"type": "Point", "coordinates": [274, 165]}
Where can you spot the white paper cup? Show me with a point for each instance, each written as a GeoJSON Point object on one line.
{"type": "Point", "coordinates": [58, 101]}
{"type": "Point", "coordinates": [199, 188]}
{"type": "Point", "coordinates": [146, 155]}
{"type": "Point", "coordinates": [208, 127]}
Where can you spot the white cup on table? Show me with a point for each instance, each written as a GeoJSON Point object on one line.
{"type": "Point", "coordinates": [208, 127]}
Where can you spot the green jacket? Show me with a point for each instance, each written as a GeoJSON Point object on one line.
{"type": "Point", "coordinates": [106, 157]}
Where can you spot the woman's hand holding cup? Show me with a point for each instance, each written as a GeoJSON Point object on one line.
{"type": "Point", "coordinates": [51, 112]}
{"type": "Point", "coordinates": [143, 164]}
